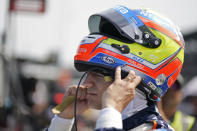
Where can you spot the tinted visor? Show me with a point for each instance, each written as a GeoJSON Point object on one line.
{"type": "Point", "coordinates": [124, 25]}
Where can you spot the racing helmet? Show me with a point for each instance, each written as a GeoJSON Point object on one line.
{"type": "Point", "coordinates": [135, 39]}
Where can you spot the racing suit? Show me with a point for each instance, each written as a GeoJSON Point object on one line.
{"type": "Point", "coordinates": [137, 116]}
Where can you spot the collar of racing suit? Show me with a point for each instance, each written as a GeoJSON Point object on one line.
{"type": "Point", "coordinates": [139, 112]}
{"type": "Point", "coordinates": [137, 104]}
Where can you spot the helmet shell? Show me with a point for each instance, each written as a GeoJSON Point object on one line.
{"type": "Point", "coordinates": [158, 67]}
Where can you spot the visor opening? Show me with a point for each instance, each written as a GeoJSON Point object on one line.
{"type": "Point", "coordinates": [108, 29]}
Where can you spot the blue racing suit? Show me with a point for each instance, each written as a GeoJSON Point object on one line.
{"type": "Point", "coordinates": [146, 119]}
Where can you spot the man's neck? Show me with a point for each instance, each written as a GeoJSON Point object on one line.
{"type": "Point", "coordinates": [136, 105]}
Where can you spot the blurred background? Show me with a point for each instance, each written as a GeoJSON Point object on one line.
{"type": "Point", "coordinates": [38, 40]}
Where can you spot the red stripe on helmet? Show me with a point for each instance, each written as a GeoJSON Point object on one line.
{"type": "Point", "coordinates": [176, 72]}
{"type": "Point", "coordinates": [84, 50]}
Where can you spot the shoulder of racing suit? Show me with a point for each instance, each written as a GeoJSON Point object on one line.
{"type": "Point", "coordinates": [147, 119]}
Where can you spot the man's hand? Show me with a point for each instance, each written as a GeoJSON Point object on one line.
{"type": "Point", "coordinates": [121, 91]}
{"type": "Point", "coordinates": [68, 113]}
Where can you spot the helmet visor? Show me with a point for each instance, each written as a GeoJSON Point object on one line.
{"type": "Point", "coordinates": [126, 23]}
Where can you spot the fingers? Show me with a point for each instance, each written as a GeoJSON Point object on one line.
{"type": "Point", "coordinates": [82, 92]}
{"type": "Point", "coordinates": [69, 91]}
{"type": "Point", "coordinates": [130, 76]}
{"type": "Point", "coordinates": [136, 81]}
{"type": "Point", "coordinates": [118, 73]}
{"type": "Point", "coordinates": [132, 79]}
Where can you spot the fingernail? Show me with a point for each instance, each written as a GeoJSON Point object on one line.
{"type": "Point", "coordinates": [118, 68]}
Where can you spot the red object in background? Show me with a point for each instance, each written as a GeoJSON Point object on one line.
{"type": "Point", "coordinates": [58, 98]}
{"type": "Point", "coordinates": [36, 6]}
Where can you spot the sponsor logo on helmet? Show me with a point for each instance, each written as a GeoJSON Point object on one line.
{"type": "Point", "coordinates": [153, 58]}
{"type": "Point", "coordinates": [136, 64]}
{"type": "Point", "coordinates": [108, 60]}
{"type": "Point", "coordinates": [151, 85]}
{"type": "Point", "coordinates": [82, 50]}
{"type": "Point", "coordinates": [154, 88]}
{"type": "Point", "coordinates": [160, 79]}
{"type": "Point", "coordinates": [138, 59]}
{"type": "Point", "coordinates": [121, 9]}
